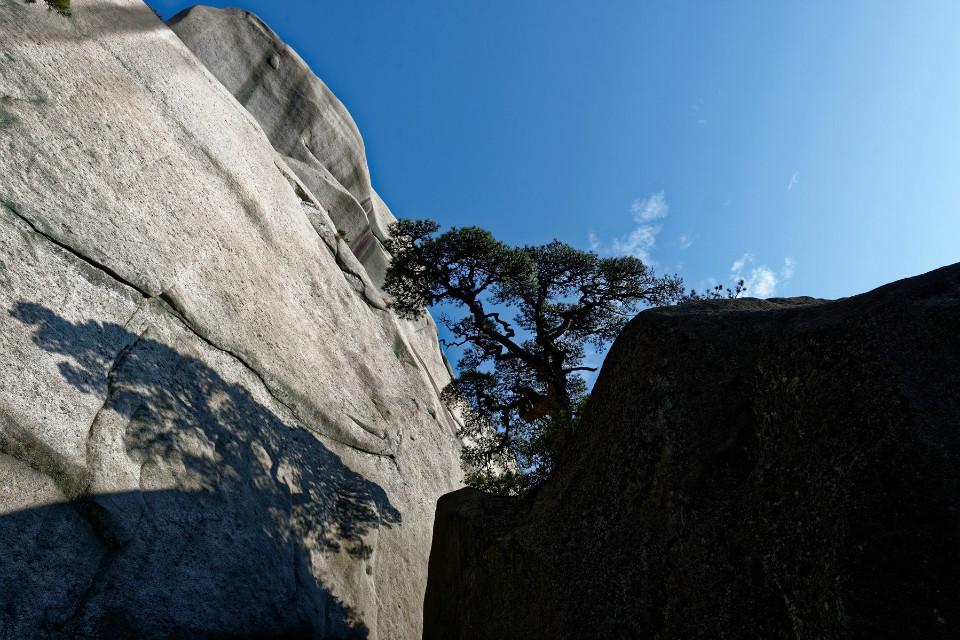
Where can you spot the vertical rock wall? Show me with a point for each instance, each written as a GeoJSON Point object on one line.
{"type": "Point", "coordinates": [306, 123]}
{"type": "Point", "coordinates": [210, 425]}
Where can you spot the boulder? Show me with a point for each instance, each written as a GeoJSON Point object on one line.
{"type": "Point", "coordinates": [210, 424]}
{"type": "Point", "coordinates": [785, 468]}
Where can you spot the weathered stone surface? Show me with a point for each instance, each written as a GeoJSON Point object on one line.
{"type": "Point", "coordinates": [746, 469]}
{"type": "Point", "coordinates": [301, 116]}
{"type": "Point", "coordinates": [210, 426]}
{"type": "Point", "coordinates": [318, 140]}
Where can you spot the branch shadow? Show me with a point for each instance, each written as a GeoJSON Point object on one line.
{"type": "Point", "coordinates": [234, 507]}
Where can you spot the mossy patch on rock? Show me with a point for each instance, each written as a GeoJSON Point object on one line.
{"type": "Point", "coordinates": [60, 6]}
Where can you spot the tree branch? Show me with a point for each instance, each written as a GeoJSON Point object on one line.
{"type": "Point", "coordinates": [507, 329]}
{"type": "Point", "coordinates": [572, 369]}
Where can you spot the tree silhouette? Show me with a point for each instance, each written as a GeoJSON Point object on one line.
{"type": "Point", "coordinates": [530, 314]}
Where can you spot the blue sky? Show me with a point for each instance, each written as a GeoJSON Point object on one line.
{"type": "Point", "coordinates": [810, 147]}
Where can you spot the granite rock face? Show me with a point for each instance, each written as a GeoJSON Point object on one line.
{"type": "Point", "coordinates": [746, 469]}
{"type": "Point", "coordinates": [210, 425]}
{"type": "Point", "coordinates": [306, 123]}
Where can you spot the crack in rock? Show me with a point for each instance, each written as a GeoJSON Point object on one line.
{"type": "Point", "coordinates": [121, 357]}
{"type": "Point", "coordinates": [70, 478]}
{"type": "Point", "coordinates": [307, 199]}
{"type": "Point", "coordinates": [88, 260]}
{"type": "Point", "coordinates": [178, 313]}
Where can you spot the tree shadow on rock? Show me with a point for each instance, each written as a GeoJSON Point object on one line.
{"type": "Point", "coordinates": [234, 508]}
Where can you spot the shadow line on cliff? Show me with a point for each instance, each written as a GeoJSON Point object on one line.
{"type": "Point", "coordinates": [233, 501]}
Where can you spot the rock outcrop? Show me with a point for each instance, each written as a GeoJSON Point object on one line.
{"type": "Point", "coordinates": [746, 469]}
{"type": "Point", "coordinates": [210, 424]}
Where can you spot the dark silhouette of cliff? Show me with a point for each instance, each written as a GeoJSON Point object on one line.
{"type": "Point", "coordinates": [745, 469]}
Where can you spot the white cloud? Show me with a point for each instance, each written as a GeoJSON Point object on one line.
{"type": "Point", "coordinates": [593, 242]}
{"type": "Point", "coordinates": [652, 207]}
{"type": "Point", "coordinates": [640, 242]}
{"type": "Point", "coordinates": [789, 267]}
{"type": "Point", "coordinates": [738, 265]}
{"type": "Point", "coordinates": [760, 280]}
{"type": "Point", "coordinates": [684, 241]}
{"type": "Point", "coordinates": [793, 180]}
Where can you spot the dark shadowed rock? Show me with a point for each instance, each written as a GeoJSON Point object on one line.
{"type": "Point", "coordinates": [746, 469]}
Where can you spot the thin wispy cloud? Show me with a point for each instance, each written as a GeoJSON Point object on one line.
{"type": "Point", "coordinates": [684, 241]}
{"type": "Point", "coordinates": [641, 241]}
{"type": "Point", "coordinates": [789, 267]}
{"type": "Point", "coordinates": [593, 242]}
{"type": "Point", "coordinates": [650, 208]}
{"type": "Point", "coordinates": [760, 280]}
{"type": "Point", "coordinates": [793, 180]}
{"type": "Point", "coordinates": [697, 108]}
